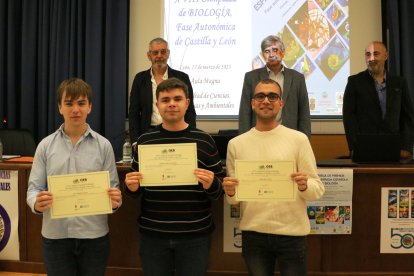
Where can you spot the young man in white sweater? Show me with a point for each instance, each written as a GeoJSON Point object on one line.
{"type": "Point", "coordinates": [274, 230]}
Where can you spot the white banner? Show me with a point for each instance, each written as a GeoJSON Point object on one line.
{"type": "Point", "coordinates": [232, 240]}
{"type": "Point", "coordinates": [9, 215]}
{"type": "Point", "coordinates": [217, 42]}
{"type": "Point", "coordinates": [397, 220]}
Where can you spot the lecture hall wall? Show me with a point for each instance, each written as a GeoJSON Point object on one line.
{"type": "Point", "coordinates": [146, 22]}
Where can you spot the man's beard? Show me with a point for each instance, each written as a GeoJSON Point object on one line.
{"type": "Point", "coordinates": [373, 67]}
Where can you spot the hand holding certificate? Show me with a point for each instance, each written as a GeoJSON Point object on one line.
{"type": "Point", "coordinates": [168, 164]}
{"type": "Point", "coordinates": [80, 194]}
{"type": "Point", "coordinates": [265, 180]}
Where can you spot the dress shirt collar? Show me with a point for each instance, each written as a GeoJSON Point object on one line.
{"type": "Point", "coordinates": [281, 70]}
{"type": "Point", "coordinates": [372, 76]}
{"type": "Point", "coordinates": [164, 77]}
{"type": "Point", "coordinates": [88, 131]}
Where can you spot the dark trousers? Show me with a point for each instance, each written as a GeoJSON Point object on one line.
{"type": "Point", "coordinates": [261, 251]}
{"type": "Point", "coordinates": [75, 257]}
{"type": "Point", "coordinates": [181, 257]}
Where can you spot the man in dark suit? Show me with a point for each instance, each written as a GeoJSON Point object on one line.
{"type": "Point", "coordinates": [375, 101]}
{"type": "Point", "coordinates": [143, 112]}
{"type": "Point", "coordinates": [295, 113]}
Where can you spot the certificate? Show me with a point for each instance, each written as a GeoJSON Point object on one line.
{"type": "Point", "coordinates": [265, 180]}
{"type": "Point", "coordinates": [168, 164]}
{"type": "Point", "coordinates": [81, 194]}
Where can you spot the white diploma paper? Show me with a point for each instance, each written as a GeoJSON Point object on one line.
{"type": "Point", "coordinates": [168, 164]}
{"type": "Point", "coordinates": [265, 180]}
{"type": "Point", "coordinates": [81, 194]}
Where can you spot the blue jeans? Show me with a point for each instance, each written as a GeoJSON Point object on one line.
{"type": "Point", "coordinates": [185, 256]}
{"type": "Point", "coordinates": [261, 251]}
{"type": "Point", "coordinates": [70, 257]}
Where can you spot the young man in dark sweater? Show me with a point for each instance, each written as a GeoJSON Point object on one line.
{"type": "Point", "coordinates": [176, 221]}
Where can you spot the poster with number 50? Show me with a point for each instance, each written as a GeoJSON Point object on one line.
{"type": "Point", "coordinates": [397, 220]}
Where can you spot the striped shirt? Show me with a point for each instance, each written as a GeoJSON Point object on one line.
{"type": "Point", "coordinates": [173, 211]}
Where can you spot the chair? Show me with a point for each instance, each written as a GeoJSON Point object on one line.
{"type": "Point", "coordinates": [222, 139]}
{"type": "Point", "coordinates": [17, 142]}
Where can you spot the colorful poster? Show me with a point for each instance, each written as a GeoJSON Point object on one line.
{"type": "Point", "coordinates": [332, 214]}
{"type": "Point", "coordinates": [397, 220]}
{"type": "Point", "coordinates": [9, 215]}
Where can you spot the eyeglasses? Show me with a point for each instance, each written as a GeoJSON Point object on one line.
{"type": "Point", "coordinates": [272, 97]}
{"type": "Point", "coordinates": [156, 52]}
{"type": "Point", "coordinates": [272, 50]}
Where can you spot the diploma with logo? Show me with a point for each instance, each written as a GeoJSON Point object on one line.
{"type": "Point", "coordinates": [265, 180]}
{"type": "Point", "coordinates": [81, 194]}
{"type": "Point", "coordinates": [168, 164]}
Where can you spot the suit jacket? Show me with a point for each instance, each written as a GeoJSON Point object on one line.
{"type": "Point", "coordinates": [295, 114]}
{"type": "Point", "coordinates": [362, 112]}
{"type": "Point", "coordinates": [140, 103]}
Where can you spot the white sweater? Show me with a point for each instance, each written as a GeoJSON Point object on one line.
{"type": "Point", "coordinates": [281, 144]}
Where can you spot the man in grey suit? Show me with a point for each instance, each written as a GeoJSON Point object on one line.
{"type": "Point", "coordinates": [376, 101]}
{"type": "Point", "coordinates": [295, 113]}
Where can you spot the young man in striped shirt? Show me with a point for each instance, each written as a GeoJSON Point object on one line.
{"type": "Point", "coordinates": [176, 221]}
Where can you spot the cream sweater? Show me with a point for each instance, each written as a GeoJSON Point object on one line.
{"type": "Point", "coordinates": [284, 144]}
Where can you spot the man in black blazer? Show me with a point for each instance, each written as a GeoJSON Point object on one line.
{"type": "Point", "coordinates": [376, 101]}
{"type": "Point", "coordinates": [143, 113]}
{"type": "Point", "coordinates": [295, 113]}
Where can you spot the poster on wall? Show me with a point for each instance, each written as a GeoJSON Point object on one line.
{"type": "Point", "coordinates": [332, 214]}
{"type": "Point", "coordinates": [397, 220]}
{"type": "Point", "coordinates": [232, 240]}
{"type": "Point", "coordinates": [9, 215]}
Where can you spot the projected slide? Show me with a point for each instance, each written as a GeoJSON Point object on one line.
{"type": "Point", "coordinates": [217, 41]}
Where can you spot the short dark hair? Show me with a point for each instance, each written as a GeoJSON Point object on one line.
{"type": "Point", "coordinates": [171, 83]}
{"type": "Point", "coordinates": [270, 81]}
{"type": "Point", "coordinates": [270, 40]}
{"type": "Point", "coordinates": [74, 88]}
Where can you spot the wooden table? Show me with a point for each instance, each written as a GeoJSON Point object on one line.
{"type": "Point", "coordinates": [355, 254]}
